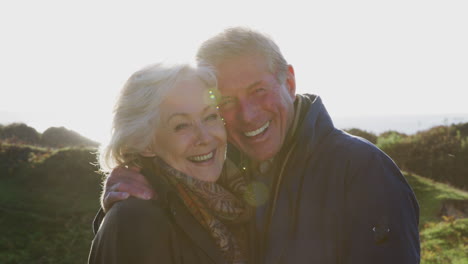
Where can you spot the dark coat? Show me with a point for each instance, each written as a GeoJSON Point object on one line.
{"type": "Point", "coordinates": [340, 200]}
{"type": "Point", "coordinates": [156, 231]}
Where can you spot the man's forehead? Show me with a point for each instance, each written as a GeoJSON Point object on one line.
{"type": "Point", "coordinates": [241, 73]}
{"type": "Point", "coordinates": [241, 66]}
{"type": "Point", "coordinates": [240, 87]}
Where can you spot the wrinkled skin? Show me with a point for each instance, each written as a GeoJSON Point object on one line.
{"type": "Point", "coordinates": [123, 182]}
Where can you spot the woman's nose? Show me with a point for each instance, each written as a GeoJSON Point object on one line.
{"type": "Point", "coordinates": [203, 135]}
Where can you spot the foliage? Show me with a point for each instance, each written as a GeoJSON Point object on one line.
{"type": "Point", "coordinates": [19, 133]}
{"type": "Point", "coordinates": [61, 137]}
{"type": "Point", "coordinates": [445, 242]}
{"type": "Point", "coordinates": [390, 138]}
{"type": "Point", "coordinates": [14, 157]}
{"type": "Point", "coordinates": [371, 137]}
{"type": "Point", "coordinates": [463, 128]}
{"type": "Point", "coordinates": [431, 195]}
{"type": "Point", "coordinates": [440, 153]}
{"type": "Point", "coordinates": [55, 137]}
{"type": "Point", "coordinates": [48, 199]}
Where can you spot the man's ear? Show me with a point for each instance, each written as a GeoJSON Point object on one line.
{"type": "Point", "coordinates": [291, 82]}
{"type": "Point", "coordinates": [148, 153]}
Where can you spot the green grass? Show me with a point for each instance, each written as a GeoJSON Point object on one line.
{"type": "Point", "coordinates": [445, 242]}
{"type": "Point", "coordinates": [442, 240]}
{"type": "Point", "coordinates": [431, 194]}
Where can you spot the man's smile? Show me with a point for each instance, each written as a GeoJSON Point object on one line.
{"type": "Point", "coordinates": [257, 131]}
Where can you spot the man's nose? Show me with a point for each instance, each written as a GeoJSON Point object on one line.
{"type": "Point", "coordinates": [247, 111]}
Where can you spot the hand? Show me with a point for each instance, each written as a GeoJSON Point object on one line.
{"type": "Point", "coordinates": [123, 183]}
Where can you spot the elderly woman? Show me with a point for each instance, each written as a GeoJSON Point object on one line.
{"type": "Point", "coordinates": [166, 122]}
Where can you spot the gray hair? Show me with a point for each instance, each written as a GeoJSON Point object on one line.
{"type": "Point", "coordinates": [240, 41]}
{"type": "Point", "coordinates": [136, 112]}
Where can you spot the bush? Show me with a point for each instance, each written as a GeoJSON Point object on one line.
{"type": "Point", "coordinates": [62, 137]}
{"type": "Point", "coordinates": [390, 138]}
{"type": "Point", "coordinates": [371, 137]}
{"type": "Point", "coordinates": [48, 199]}
{"type": "Point", "coordinates": [445, 242]}
{"type": "Point", "coordinates": [440, 153]}
{"type": "Point", "coordinates": [15, 157]}
{"type": "Point", "coordinates": [19, 133]}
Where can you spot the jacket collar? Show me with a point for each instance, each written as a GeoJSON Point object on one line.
{"type": "Point", "coordinates": [316, 126]}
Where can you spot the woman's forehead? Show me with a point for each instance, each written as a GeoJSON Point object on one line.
{"type": "Point", "coordinates": [187, 99]}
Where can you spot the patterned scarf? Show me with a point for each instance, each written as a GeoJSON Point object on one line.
{"type": "Point", "coordinates": [216, 205]}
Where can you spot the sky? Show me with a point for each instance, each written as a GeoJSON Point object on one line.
{"type": "Point", "coordinates": [62, 63]}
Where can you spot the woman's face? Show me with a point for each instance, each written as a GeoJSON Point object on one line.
{"type": "Point", "coordinates": [191, 136]}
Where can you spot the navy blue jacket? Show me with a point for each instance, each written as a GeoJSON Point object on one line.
{"type": "Point", "coordinates": [340, 200]}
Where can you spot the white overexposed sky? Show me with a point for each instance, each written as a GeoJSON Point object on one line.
{"type": "Point", "coordinates": [62, 63]}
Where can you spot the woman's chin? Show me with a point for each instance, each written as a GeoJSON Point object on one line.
{"type": "Point", "coordinates": [208, 174]}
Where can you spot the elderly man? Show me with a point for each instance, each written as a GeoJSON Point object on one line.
{"type": "Point", "coordinates": [324, 196]}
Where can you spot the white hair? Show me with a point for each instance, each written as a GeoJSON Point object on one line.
{"type": "Point", "coordinates": [136, 112]}
{"type": "Point", "coordinates": [240, 41]}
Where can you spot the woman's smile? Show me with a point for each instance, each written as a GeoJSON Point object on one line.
{"type": "Point", "coordinates": [204, 158]}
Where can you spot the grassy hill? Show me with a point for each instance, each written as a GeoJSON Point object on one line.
{"type": "Point", "coordinates": [439, 153]}
{"type": "Point", "coordinates": [443, 239]}
{"type": "Point", "coordinates": [56, 137]}
{"type": "Point", "coordinates": [431, 195]}
{"type": "Point", "coordinates": [48, 198]}
{"type": "Point", "coordinates": [445, 242]}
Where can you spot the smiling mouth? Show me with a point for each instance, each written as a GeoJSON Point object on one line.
{"type": "Point", "coordinates": [202, 158]}
{"type": "Point", "coordinates": [257, 131]}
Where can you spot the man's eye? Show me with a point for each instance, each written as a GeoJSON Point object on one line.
{"type": "Point", "coordinates": [259, 90]}
{"type": "Point", "coordinates": [226, 100]}
{"type": "Point", "coordinates": [223, 103]}
{"type": "Point", "coordinates": [181, 126]}
{"type": "Point", "coordinates": [226, 104]}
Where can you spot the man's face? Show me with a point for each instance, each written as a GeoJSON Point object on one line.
{"type": "Point", "coordinates": [257, 109]}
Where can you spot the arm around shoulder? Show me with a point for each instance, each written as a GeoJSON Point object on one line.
{"type": "Point", "coordinates": [133, 231]}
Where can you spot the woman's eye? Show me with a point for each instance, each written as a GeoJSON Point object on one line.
{"type": "Point", "coordinates": [212, 117]}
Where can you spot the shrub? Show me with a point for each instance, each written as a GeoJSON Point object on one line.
{"type": "Point", "coordinates": [440, 153]}
{"type": "Point", "coordinates": [371, 137]}
{"type": "Point", "coordinates": [47, 203]}
{"type": "Point", "coordinates": [19, 133]}
{"type": "Point", "coordinates": [62, 137]}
